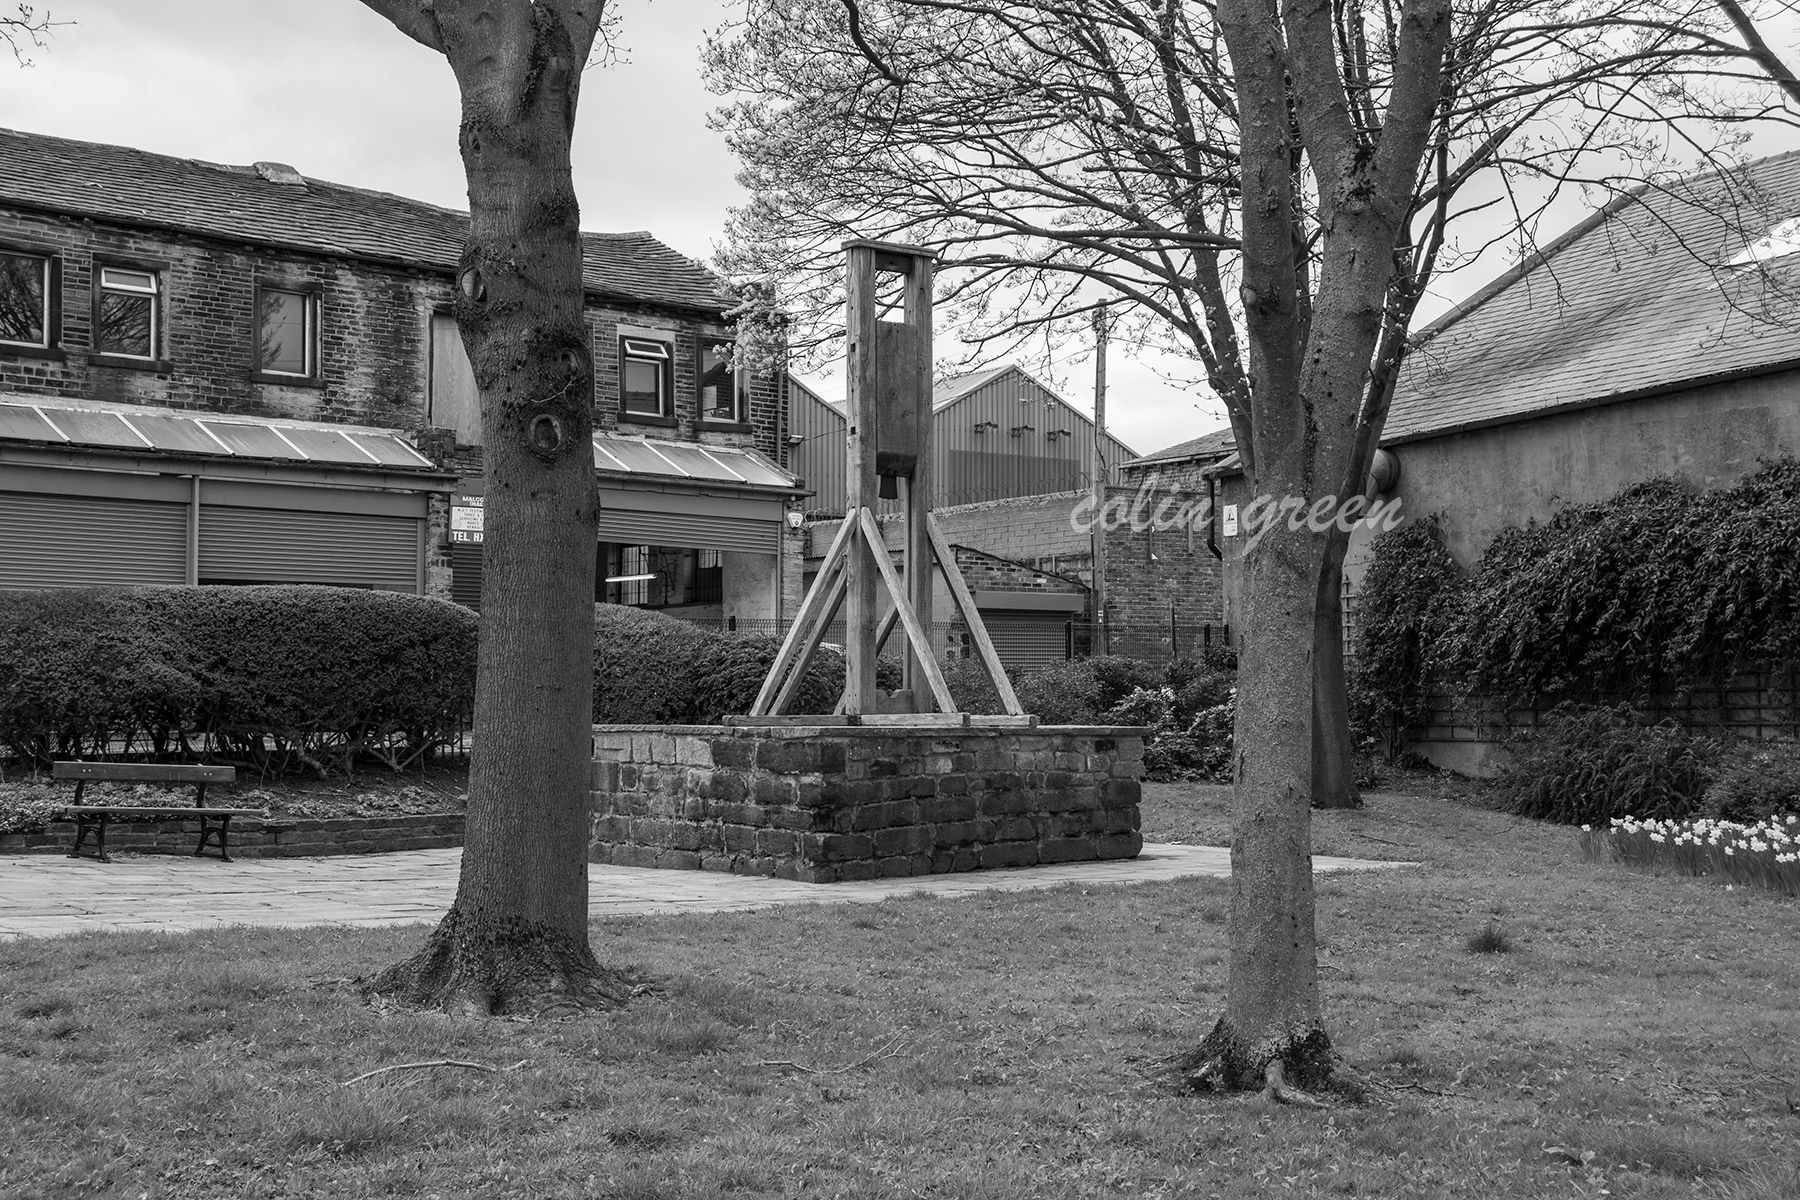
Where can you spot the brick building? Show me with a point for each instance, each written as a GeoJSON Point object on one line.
{"type": "Point", "coordinates": [230, 374]}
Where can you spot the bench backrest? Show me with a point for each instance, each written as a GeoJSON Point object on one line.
{"type": "Point", "coordinates": [143, 772]}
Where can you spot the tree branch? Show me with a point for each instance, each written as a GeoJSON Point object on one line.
{"type": "Point", "coordinates": [417, 19]}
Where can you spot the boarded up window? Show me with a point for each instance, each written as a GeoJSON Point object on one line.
{"type": "Point", "coordinates": [455, 400]}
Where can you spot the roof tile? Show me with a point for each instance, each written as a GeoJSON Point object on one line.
{"type": "Point", "coordinates": [1634, 300]}
{"type": "Point", "coordinates": [251, 204]}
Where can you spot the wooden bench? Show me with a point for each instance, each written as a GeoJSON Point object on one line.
{"type": "Point", "coordinates": [215, 823]}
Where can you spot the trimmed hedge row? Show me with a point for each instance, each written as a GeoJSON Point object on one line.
{"type": "Point", "coordinates": [280, 676]}
{"type": "Point", "coordinates": [655, 669]}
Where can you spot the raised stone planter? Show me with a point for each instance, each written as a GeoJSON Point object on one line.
{"type": "Point", "coordinates": [259, 837]}
{"type": "Point", "coordinates": [823, 803]}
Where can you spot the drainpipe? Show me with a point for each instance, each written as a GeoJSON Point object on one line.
{"type": "Point", "coordinates": [1212, 517]}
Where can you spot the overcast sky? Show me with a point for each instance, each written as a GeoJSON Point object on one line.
{"type": "Point", "coordinates": [333, 90]}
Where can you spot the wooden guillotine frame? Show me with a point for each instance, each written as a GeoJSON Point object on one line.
{"type": "Point", "coordinates": [889, 408]}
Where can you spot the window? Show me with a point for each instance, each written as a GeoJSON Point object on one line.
{"type": "Point", "coordinates": [24, 299]}
{"type": "Point", "coordinates": [125, 317]}
{"type": "Point", "coordinates": [644, 371]}
{"type": "Point", "coordinates": [287, 332]}
{"type": "Point", "coordinates": [657, 576]}
{"type": "Point", "coordinates": [722, 386]}
{"type": "Point", "coordinates": [455, 399]}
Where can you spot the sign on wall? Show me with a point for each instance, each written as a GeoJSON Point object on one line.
{"type": "Point", "coordinates": [466, 513]}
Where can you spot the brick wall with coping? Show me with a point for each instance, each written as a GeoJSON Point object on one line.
{"type": "Point", "coordinates": [825, 804]}
{"type": "Point", "coordinates": [258, 837]}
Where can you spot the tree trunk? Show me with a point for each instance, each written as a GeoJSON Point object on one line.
{"type": "Point", "coordinates": [1333, 749]}
{"type": "Point", "coordinates": [516, 937]}
{"type": "Point", "coordinates": [1273, 1012]}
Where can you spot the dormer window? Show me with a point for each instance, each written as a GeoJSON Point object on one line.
{"type": "Point", "coordinates": [1780, 242]}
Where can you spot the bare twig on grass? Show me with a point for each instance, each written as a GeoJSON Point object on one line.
{"type": "Point", "coordinates": [890, 1049]}
{"type": "Point", "coordinates": [435, 1062]}
{"type": "Point", "coordinates": [1414, 1087]}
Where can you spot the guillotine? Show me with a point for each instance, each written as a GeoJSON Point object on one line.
{"type": "Point", "coordinates": [888, 325]}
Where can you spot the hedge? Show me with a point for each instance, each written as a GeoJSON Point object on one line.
{"type": "Point", "coordinates": [278, 676]}
{"type": "Point", "coordinates": [658, 670]}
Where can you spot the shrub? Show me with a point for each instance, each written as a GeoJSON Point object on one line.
{"type": "Point", "coordinates": [731, 671]}
{"type": "Point", "coordinates": [970, 686]}
{"type": "Point", "coordinates": [1178, 747]}
{"type": "Point", "coordinates": [81, 669]}
{"type": "Point", "coordinates": [652, 669]}
{"type": "Point", "coordinates": [320, 676]}
{"type": "Point", "coordinates": [1587, 764]}
{"type": "Point", "coordinates": [276, 675]}
{"type": "Point", "coordinates": [26, 807]}
{"type": "Point", "coordinates": [1061, 693]}
{"type": "Point", "coordinates": [1656, 588]}
{"type": "Point", "coordinates": [1153, 708]}
{"type": "Point", "coordinates": [1203, 683]}
{"type": "Point", "coordinates": [1407, 597]}
{"type": "Point", "coordinates": [1755, 782]}
{"type": "Point", "coordinates": [1116, 677]}
{"type": "Point", "coordinates": [647, 666]}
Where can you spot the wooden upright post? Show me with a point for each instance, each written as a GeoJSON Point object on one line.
{"type": "Point", "coordinates": [861, 385]}
{"type": "Point", "coordinates": [1101, 636]}
{"type": "Point", "coordinates": [919, 553]}
{"type": "Point", "coordinates": [888, 401]}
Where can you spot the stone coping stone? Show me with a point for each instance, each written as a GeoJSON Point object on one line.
{"type": "Point", "coordinates": [881, 731]}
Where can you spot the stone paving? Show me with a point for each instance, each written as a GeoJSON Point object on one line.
{"type": "Point", "coordinates": [44, 895]}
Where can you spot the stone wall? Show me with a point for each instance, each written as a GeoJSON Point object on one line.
{"type": "Point", "coordinates": [257, 837]}
{"type": "Point", "coordinates": [827, 803]}
{"type": "Point", "coordinates": [372, 361]}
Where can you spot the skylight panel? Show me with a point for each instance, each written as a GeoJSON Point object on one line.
{"type": "Point", "coordinates": [1781, 241]}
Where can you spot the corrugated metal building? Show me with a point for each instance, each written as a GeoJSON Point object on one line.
{"type": "Point", "coordinates": [996, 434]}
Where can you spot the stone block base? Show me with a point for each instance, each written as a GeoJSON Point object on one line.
{"type": "Point", "coordinates": [822, 804]}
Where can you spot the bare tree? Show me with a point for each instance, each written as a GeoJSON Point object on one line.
{"type": "Point", "coordinates": [516, 936]}
{"type": "Point", "coordinates": [1271, 185]}
{"type": "Point", "coordinates": [27, 27]}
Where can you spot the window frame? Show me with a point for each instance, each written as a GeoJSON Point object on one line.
{"type": "Point", "coordinates": [51, 346]}
{"type": "Point", "coordinates": [740, 387]}
{"type": "Point", "coordinates": [664, 357]}
{"type": "Point", "coordinates": [159, 274]}
{"type": "Point", "coordinates": [312, 295]}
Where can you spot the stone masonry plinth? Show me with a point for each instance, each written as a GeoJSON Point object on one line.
{"type": "Point", "coordinates": [822, 803]}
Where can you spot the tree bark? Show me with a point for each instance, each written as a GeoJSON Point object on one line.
{"type": "Point", "coordinates": [515, 938]}
{"type": "Point", "coordinates": [1333, 749]}
{"type": "Point", "coordinates": [1273, 1011]}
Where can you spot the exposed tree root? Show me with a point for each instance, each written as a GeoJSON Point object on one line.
{"type": "Point", "coordinates": [499, 967]}
{"type": "Point", "coordinates": [1277, 1088]}
{"type": "Point", "coordinates": [1292, 1072]}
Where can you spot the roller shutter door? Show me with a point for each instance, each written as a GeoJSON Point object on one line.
{"type": "Point", "coordinates": [1026, 640]}
{"type": "Point", "coordinates": [50, 541]}
{"type": "Point", "coordinates": [691, 531]}
{"type": "Point", "coordinates": [465, 574]}
{"type": "Point", "coordinates": [266, 545]}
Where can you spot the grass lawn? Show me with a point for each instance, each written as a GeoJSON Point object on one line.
{"type": "Point", "coordinates": [1637, 1040]}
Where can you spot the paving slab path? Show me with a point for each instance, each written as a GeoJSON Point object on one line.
{"type": "Point", "coordinates": [46, 895]}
